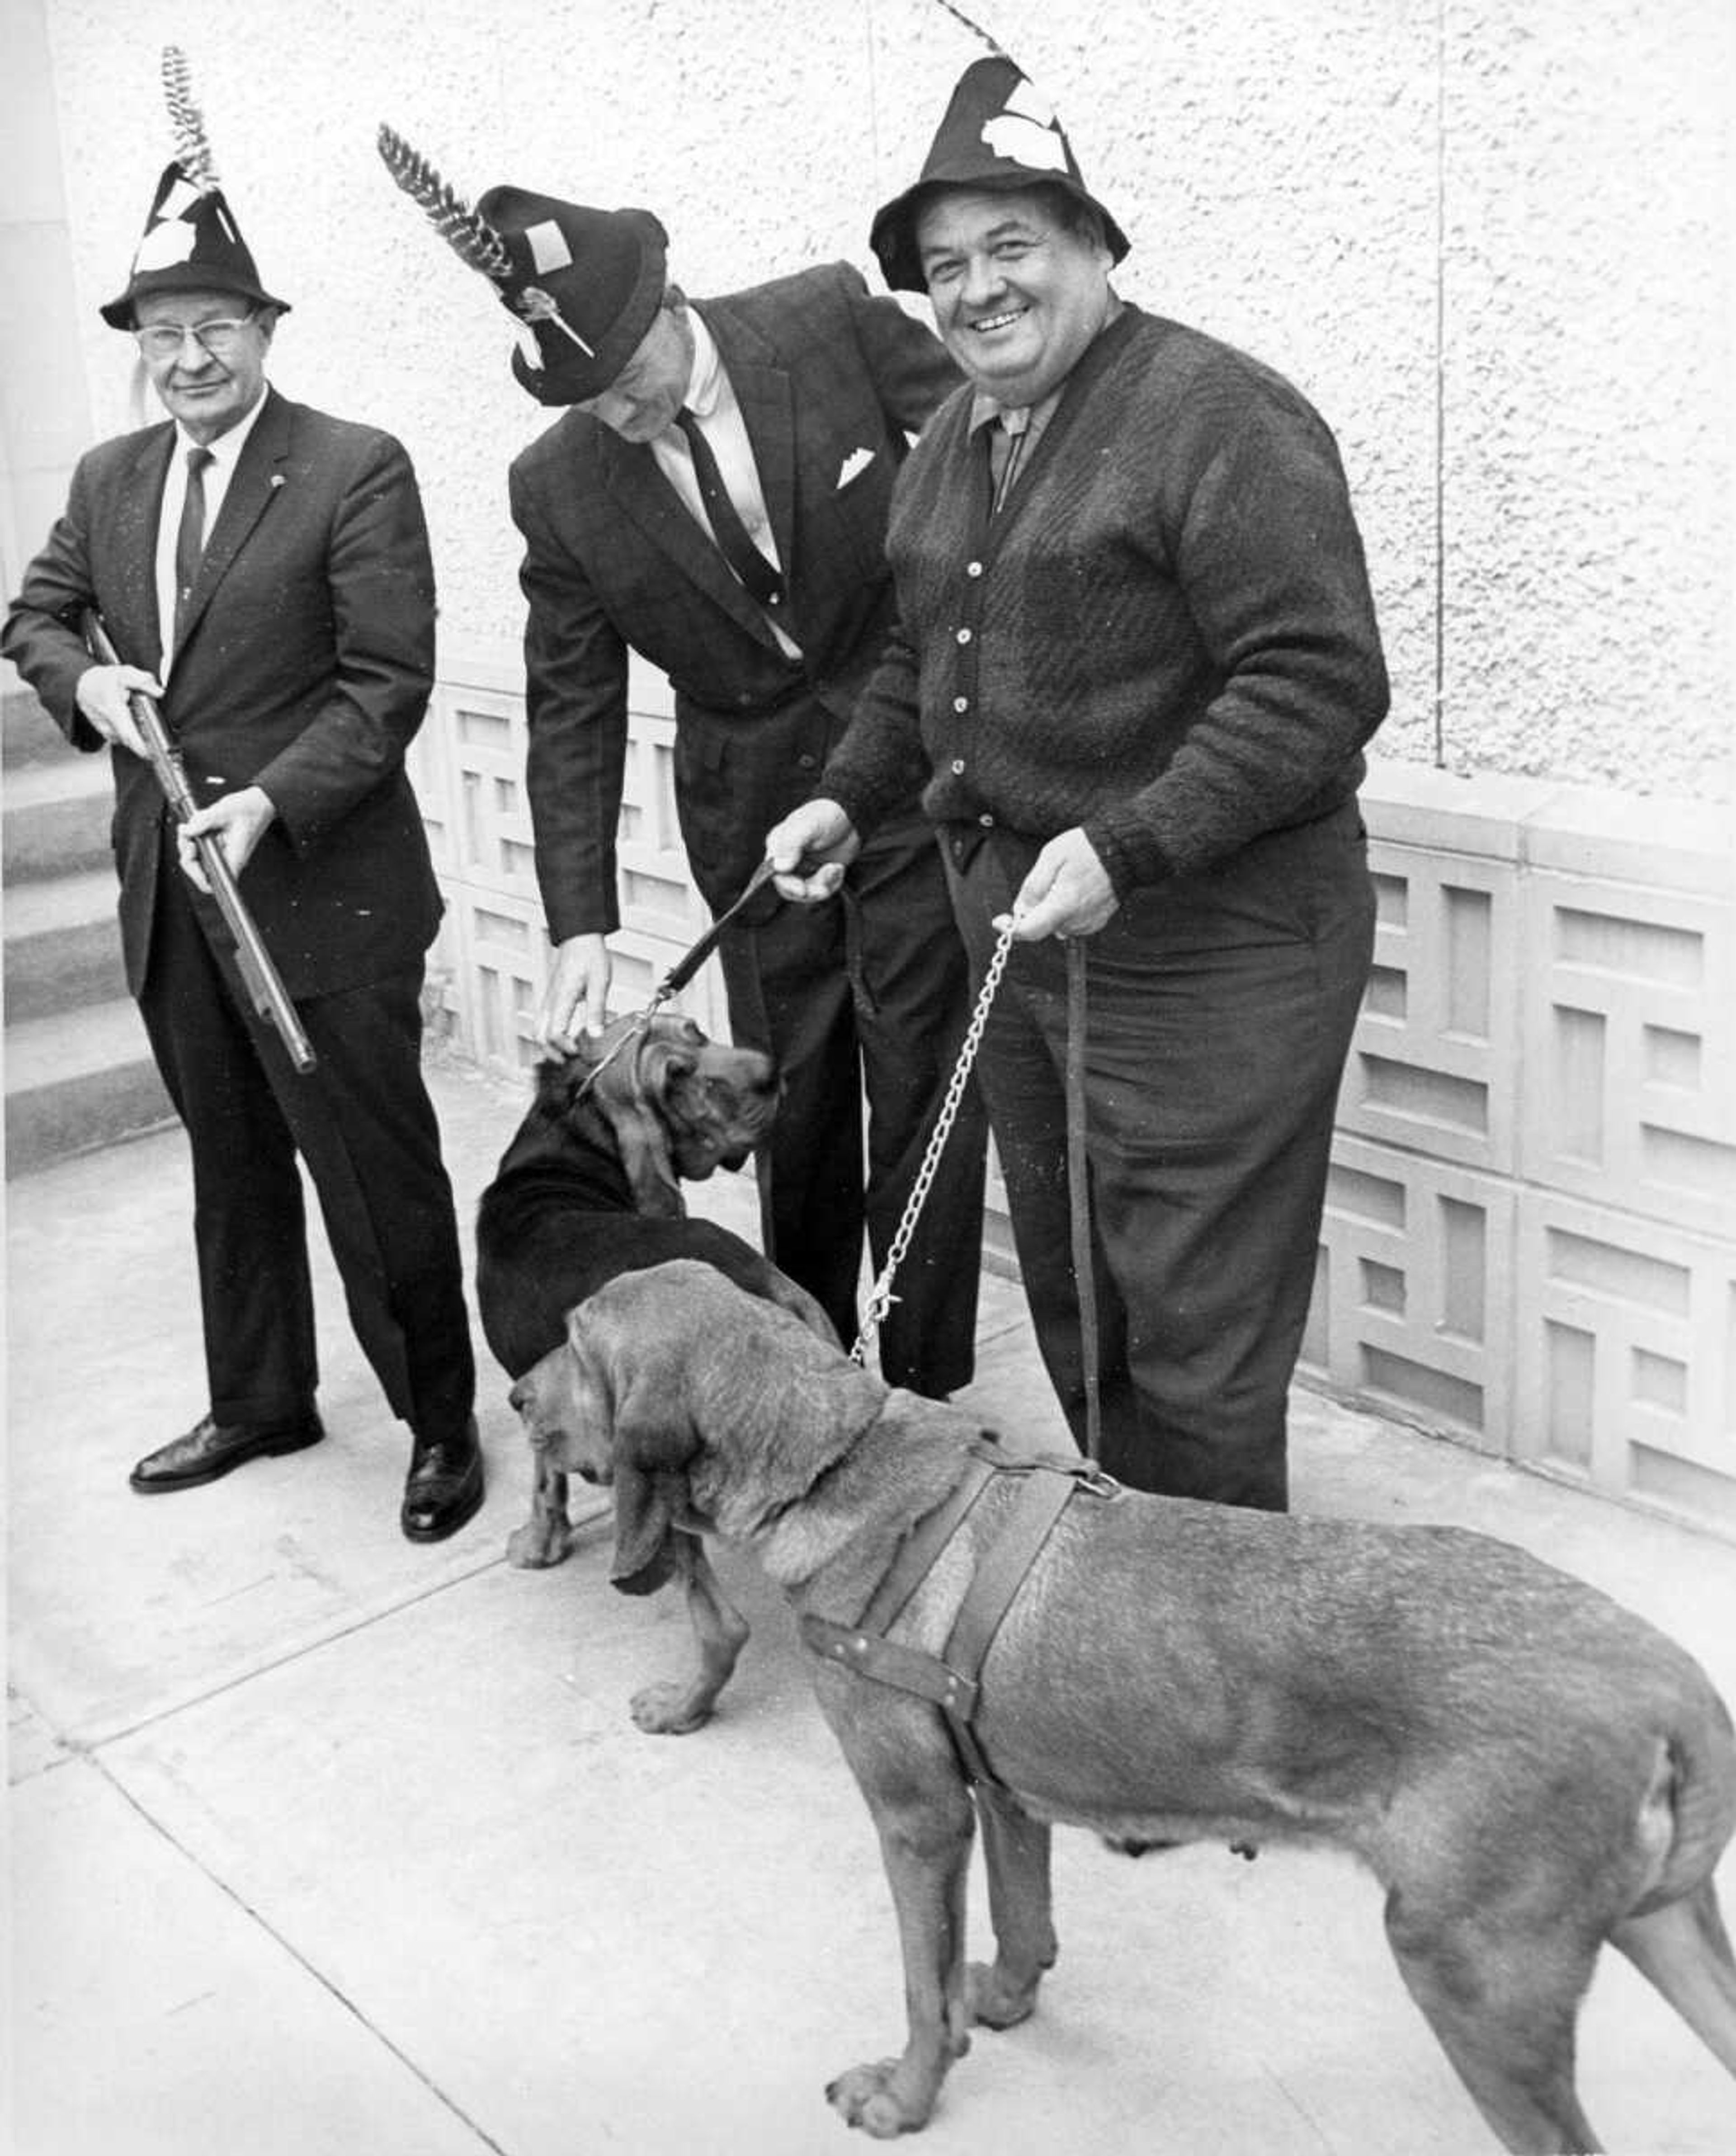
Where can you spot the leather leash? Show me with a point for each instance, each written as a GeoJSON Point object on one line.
{"type": "Point", "coordinates": [679, 974]}
{"type": "Point", "coordinates": [1085, 1281]}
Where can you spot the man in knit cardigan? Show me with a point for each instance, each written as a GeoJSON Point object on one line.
{"type": "Point", "coordinates": [1135, 666]}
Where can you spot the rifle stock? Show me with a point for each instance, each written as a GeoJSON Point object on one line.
{"type": "Point", "coordinates": [259, 976]}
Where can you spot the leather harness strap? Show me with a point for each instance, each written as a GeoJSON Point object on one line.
{"type": "Point", "coordinates": [951, 1680]}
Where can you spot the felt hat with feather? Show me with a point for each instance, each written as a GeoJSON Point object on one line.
{"type": "Point", "coordinates": [999, 131]}
{"type": "Point", "coordinates": [601, 273]}
{"type": "Point", "coordinates": [191, 241]}
{"type": "Point", "coordinates": [585, 284]}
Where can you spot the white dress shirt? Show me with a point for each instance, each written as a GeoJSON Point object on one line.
{"type": "Point", "coordinates": [711, 400]}
{"type": "Point", "coordinates": [224, 451]}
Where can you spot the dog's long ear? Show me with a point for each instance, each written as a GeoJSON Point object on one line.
{"type": "Point", "coordinates": [651, 1439]}
{"type": "Point", "coordinates": [629, 1092]}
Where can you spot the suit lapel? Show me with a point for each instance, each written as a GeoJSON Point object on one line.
{"type": "Point", "coordinates": [257, 481]}
{"type": "Point", "coordinates": [637, 486]}
{"type": "Point", "coordinates": [134, 626]}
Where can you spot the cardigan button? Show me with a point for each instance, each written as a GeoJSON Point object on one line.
{"type": "Point", "coordinates": [957, 766]}
{"type": "Point", "coordinates": [965, 636]}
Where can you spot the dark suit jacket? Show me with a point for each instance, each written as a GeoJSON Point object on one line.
{"type": "Point", "coordinates": [305, 669]}
{"type": "Point", "coordinates": [613, 558]}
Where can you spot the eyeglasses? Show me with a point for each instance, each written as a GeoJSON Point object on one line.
{"type": "Point", "coordinates": [221, 338]}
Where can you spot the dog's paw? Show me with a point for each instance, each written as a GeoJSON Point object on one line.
{"type": "Point", "coordinates": [993, 1999]}
{"type": "Point", "coordinates": [538, 1543]}
{"type": "Point", "coordinates": [668, 1710]}
{"type": "Point", "coordinates": [867, 2096]}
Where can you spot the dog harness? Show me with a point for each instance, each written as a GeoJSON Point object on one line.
{"type": "Point", "coordinates": [952, 1678]}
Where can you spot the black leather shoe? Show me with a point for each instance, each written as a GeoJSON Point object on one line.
{"type": "Point", "coordinates": [444, 1487]}
{"type": "Point", "coordinates": [210, 1448]}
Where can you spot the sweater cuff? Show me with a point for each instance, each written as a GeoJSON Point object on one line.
{"type": "Point", "coordinates": [1123, 841]}
{"type": "Point", "coordinates": [857, 801]}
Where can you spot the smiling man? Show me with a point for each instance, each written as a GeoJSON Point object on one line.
{"type": "Point", "coordinates": [264, 569]}
{"type": "Point", "coordinates": [1135, 664]}
{"type": "Point", "coordinates": [714, 499]}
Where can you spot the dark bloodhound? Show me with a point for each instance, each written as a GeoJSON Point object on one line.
{"type": "Point", "coordinates": [589, 1187]}
{"type": "Point", "coordinates": [1527, 1768]}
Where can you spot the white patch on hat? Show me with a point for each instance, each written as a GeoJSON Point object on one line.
{"type": "Point", "coordinates": [179, 199]}
{"type": "Point", "coordinates": [1029, 103]}
{"type": "Point", "coordinates": [1025, 141]}
{"type": "Point", "coordinates": [527, 344]}
{"type": "Point", "coordinates": [548, 246]}
{"type": "Point", "coordinates": [164, 245]}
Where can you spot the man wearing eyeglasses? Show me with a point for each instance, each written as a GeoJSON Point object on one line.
{"type": "Point", "coordinates": [262, 570]}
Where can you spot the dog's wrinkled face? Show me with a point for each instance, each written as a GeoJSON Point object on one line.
{"type": "Point", "coordinates": [679, 1104]}
{"type": "Point", "coordinates": [717, 1103]}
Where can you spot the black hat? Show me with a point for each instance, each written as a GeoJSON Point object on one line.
{"type": "Point", "coordinates": [1000, 131]}
{"type": "Point", "coordinates": [190, 245]}
{"type": "Point", "coordinates": [586, 282]}
{"type": "Point", "coordinates": [589, 281]}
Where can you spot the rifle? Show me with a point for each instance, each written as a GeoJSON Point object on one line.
{"type": "Point", "coordinates": [259, 977]}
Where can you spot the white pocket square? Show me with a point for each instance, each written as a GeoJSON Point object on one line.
{"type": "Point", "coordinates": [858, 460]}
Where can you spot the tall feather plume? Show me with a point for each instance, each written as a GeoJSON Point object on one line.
{"type": "Point", "coordinates": [192, 152]}
{"type": "Point", "coordinates": [471, 238]}
{"type": "Point", "coordinates": [976, 29]}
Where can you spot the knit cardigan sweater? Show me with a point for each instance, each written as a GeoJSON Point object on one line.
{"type": "Point", "coordinates": [1166, 636]}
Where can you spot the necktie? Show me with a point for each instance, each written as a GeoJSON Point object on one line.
{"type": "Point", "coordinates": [1014, 425]}
{"type": "Point", "coordinates": [190, 538]}
{"type": "Point", "coordinates": [755, 573]}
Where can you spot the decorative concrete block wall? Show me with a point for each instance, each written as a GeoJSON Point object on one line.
{"type": "Point", "coordinates": [1531, 1233]}
{"type": "Point", "coordinates": [1530, 1239]}
{"type": "Point", "coordinates": [490, 965]}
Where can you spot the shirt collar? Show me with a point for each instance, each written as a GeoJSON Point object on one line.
{"type": "Point", "coordinates": [227, 446]}
{"type": "Point", "coordinates": [983, 409]}
{"type": "Point", "coordinates": [705, 382]}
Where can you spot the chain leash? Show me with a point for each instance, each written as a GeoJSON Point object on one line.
{"type": "Point", "coordinates": [880, 1297]}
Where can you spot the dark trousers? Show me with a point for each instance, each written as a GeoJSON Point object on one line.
{"type": "Point", "coordinates": [366, 1128]}
{"type": "Point", "coordinates": [1220, 1011]}
{"type": "Point", "coordinates": [861, 999]}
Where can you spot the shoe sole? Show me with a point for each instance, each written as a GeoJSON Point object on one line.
{"type": "Point", "coordinates": [470, 1507]}
{"type": "Point", "coordinates": [157, 1486]}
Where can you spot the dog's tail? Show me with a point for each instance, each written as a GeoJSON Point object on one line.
{"type": "Point", "coordinates": [1688, 1813]}
{"type": "Point", "coordinates": [1674, 1934]}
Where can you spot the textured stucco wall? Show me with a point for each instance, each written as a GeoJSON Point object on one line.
{"type": "Point", "coordinates": [1490, 240]}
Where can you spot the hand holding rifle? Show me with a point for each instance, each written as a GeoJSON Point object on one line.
{"type": "Point", "coordinates": [214, 843]}
{"type": "Point", "coordinates": [102, 696]}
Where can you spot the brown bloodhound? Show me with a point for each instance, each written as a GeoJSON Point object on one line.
{"type": "Point", "coordinates": [1527, 1768]}
{"type": "Point", "coordinates": [589, 1187]}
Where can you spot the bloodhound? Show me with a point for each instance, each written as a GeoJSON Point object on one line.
{"type": "Point", "coordinates": [1527, 1768]}
{"type": "Point", "coordinates": [590, 1187]}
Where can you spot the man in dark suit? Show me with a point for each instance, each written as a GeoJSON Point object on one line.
{"type": "Point", "coordinates": [767, 608]}
{"type": "Point", "coordinates": [265, 571]}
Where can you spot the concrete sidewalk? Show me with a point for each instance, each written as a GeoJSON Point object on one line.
{"type": "Point", "coordinates": [325, 1845]}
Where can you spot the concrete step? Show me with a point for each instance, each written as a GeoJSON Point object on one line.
{"type": "Point", "coordinates": [28, 735]}
{"type": "Point", "coordinates": [77, 1080]}
{"type": "Point", "coordinates": [63, 945]}
{"type": "Point", "coordinates": [54, 817]}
